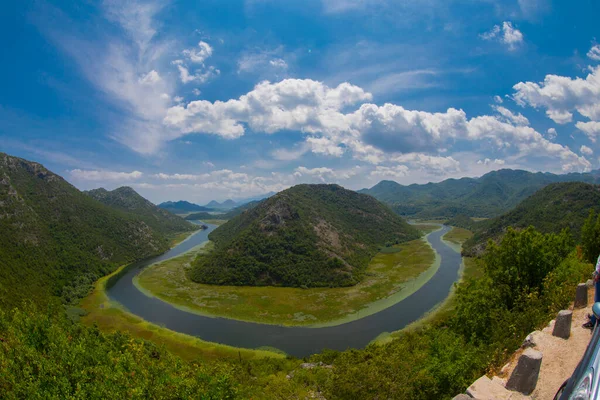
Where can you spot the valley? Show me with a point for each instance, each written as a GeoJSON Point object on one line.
{"type": "Point", "coordinates": [391, 276]}
{"type": "Point", "coordinates": [315, 273]}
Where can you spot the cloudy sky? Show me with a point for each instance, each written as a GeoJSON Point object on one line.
{"type": "Point", "coordinates": [217, 99]}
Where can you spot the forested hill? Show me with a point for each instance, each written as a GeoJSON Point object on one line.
{"type": "Point", "coordinates": [182, 207]}
{"type": "Point", "coordinates": [308, 235]}
{"type": "Point", "coordinates": [128, 200]}
{"type": "Point", "coordinates": [488, 196]}
{"type": "Point", "coordinates": [553, 208]}
{"type": "Point", "coordinates": [54, 236]}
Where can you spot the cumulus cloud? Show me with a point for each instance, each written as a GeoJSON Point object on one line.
{"type": "Point", "coordinates": [560, 96]}
{"type": "Point", "coordinates": [104, 175]}
{"type": "Point", "coordinates": [372, 133]}
{"type": "Point", "coordinates": [551, 133]}
{"type": "Point", "coordinates": [293, 104]}
{"type": "Point", "coordinates": [594, 52]}
{"type": "Point", "coordinates": [586, 150]}
{"type": "Point", "coordinates": [591, 129]}
{"type": "Point", "coordinates": [508, 115]}
{"type": "Point", "coordinates": [498, 99]}
{"type": "Point", "coordinates": [505, 34]}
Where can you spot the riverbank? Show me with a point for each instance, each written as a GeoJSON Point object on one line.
{"type": "Point", "coordinates": [470, 268]}
{"type": "Point", "coordinates": [110, 316]}
{"type": "Point", "coordinates": [391, 276]}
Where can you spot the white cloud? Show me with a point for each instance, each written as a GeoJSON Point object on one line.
{"type": "Point", "coordinates": [506, 34]}
{"type": "Point", "coordinates": [373, 134]}
{"type": "Point", "coordinates": [488, 161]}
{"type": "Point", "coordinates": [594, 52]}
{"type": "Point", "coordinates": [199, 55]}
{"type": "Point", "coordinates": [265, 63]}
{"type": "Point", "coordinates": [395, 172]}
{"type": "Point", "coordinates": [196, 92]}
{"type": "Point", "coordinates": [498, 99]}
{"type": "Point", "coordinates": [150, 78]}
{"type": "Point", "coordinates": [508, 115]}
{"type": "Point", "coordinates": [304, 105]}
{"type": "Point", "coordinates": [551, 133]}
{"type": "Point", "coordinates": [290, 154]}
{"type": "Point", "coordinates": [104, 175]}
{"type": "Point", "coordinates": [591, 129]}
{"type": "Point", "coordinates": [200, 75]}
{"type": "Point", "coordinates": [586, 150]}
{"type": "Point", "coordinates": [324, 174]}
{"type": "Point", "coordinates": [435, 165]}
{"type": "Point", "coordinates": [561, 95]}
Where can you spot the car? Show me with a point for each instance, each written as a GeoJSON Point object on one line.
{"type": "Point", "coordinates": [584, 384]}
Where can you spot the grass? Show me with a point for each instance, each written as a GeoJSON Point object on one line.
{"type": "Point", "coordinates": [427, 228]}
{"type": "Point", "coordinates": [470, 268]}
{"type": "Point", "coordinates": [456, 237]}
{"type": "Point", "coordinates": [109, 316]}
{"type": "Point", "coordinates": [179, 237]}
{"type": "Point", "coordinates": [390, 277]}
{"type": "Point", "coordinates": [217, 222]}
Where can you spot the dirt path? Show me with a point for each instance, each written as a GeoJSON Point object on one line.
{"type": "Point", "coordinates": [560, 356]}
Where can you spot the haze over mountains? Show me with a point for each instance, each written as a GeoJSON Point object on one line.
{"type": "Point", "coordinates": [128, 200]}
{"type": "Point", "coordinates": [182, 207]}
{"type": "Point", "coordinates": [487, 196]}
{"type": "Point", "coordinates": [308, 235]}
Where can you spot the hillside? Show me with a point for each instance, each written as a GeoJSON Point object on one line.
{"type": "Point", "coordinates": [182, 207]}
{"type": "Point", "coordinates": [555, 207]}
{"type": "Point", "coordinates": [488, 196]}
{"type": "Point", "coordinates": [128, 200]}
{"type": "Point", "coordinates": [228, 215]}
{"type": "Point", "coordinates": [54, 236]}
{"type": "Point", "coordinates": [308, 235]}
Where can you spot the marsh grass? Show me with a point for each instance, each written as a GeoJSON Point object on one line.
{"type": "Point", "coordinates": [109, 316]}
{"type": "Point", "coordinates": [390, 277]}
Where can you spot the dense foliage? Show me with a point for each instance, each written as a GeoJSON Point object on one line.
{"type": "Point", "coordinates": [488, 196]}
{"type": "Point", "coordinates": [56, 241]}
{"type": "Point", "coordinates": [462, 221]}
{"type": "Point", "coordinates": [528, 277]}
{"type": "Point", "coordinates": [308, 235]}
{"type": "Point", "coordinates": [128, 200]}
{"type": "Point", "coordinates": [228, 215]}
{"type": "Point", "coordinates": [590, 237]}
{"type": "Point", "coordinates": [552, 209]}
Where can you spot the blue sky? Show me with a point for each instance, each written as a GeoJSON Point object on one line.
{"type": "Point", "coordinates": [202, 100]}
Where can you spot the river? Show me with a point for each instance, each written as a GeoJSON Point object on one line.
{"type": "Point", "coordinates": [296, 341]}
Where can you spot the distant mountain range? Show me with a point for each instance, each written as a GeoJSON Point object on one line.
{"type": "Point", "coordinates": [223, 215]}
{"type": "Point", "coordinates": [230, 204]}
{"type": "Point", "coordinates": [488, 196]}
{"type": "Point", "coordinates": [551, 209]}
{"type": "Point", "coordinates": [308, 235]}
{"type": "Point", "coordinates": [182, 207]}
{"type": "Point", "coordinates": [128, 200]}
